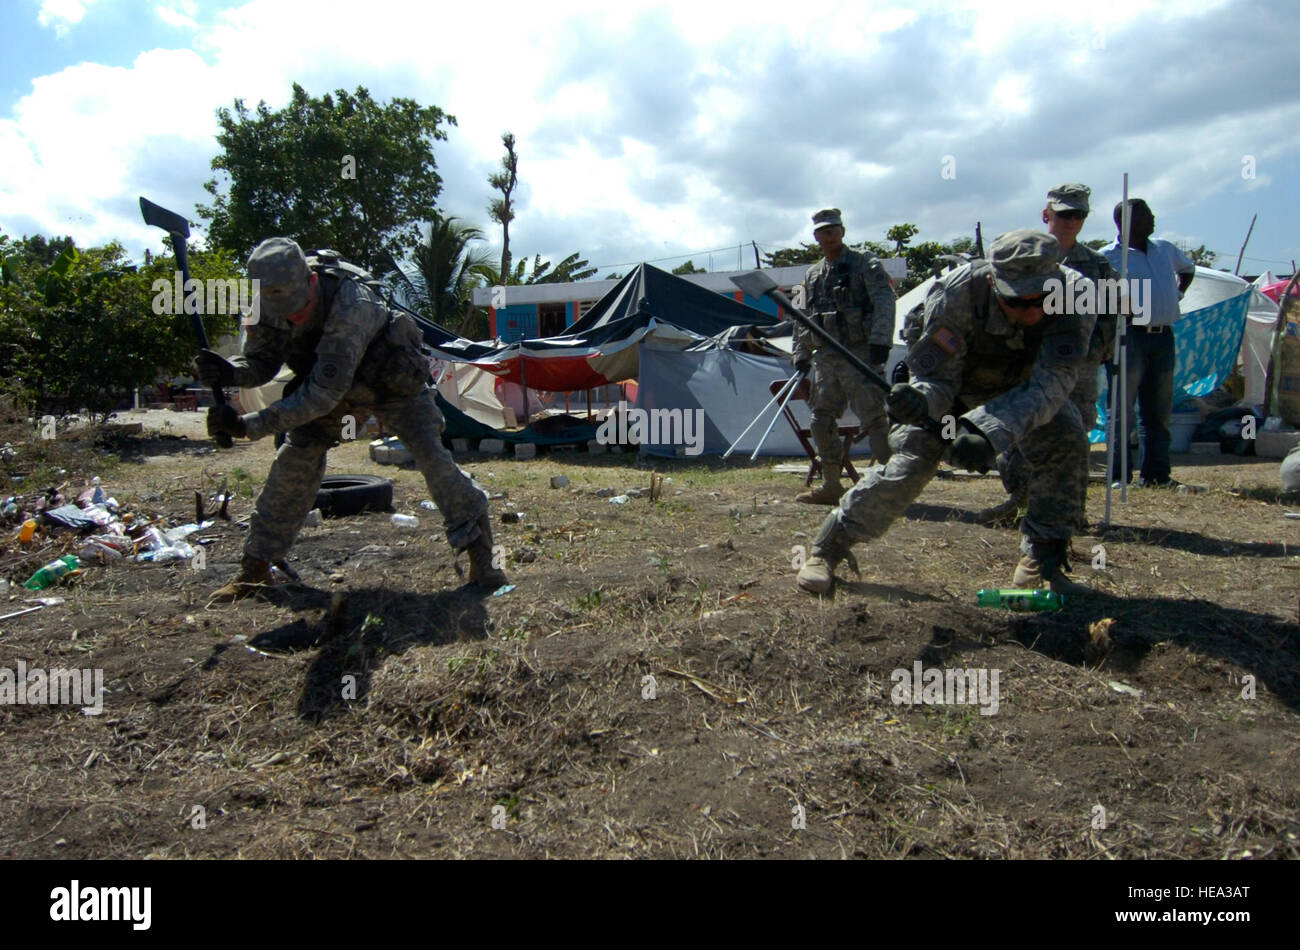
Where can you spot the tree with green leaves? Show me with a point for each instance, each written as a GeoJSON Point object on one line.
{"type": "Point", "coordinates": [84, 331]}
{"type": "Point", "coordinates": [438, 275]}
{"type": "Point", "coordinates": [1202, 256]}
{"type": "Point", "coordinates": [342, 171]}
{"type": "Point", "coordinates": [793, 256]}
{"type": "Point", "coordinates": [502, 209]}
{"type": "Point", "coordinates": [572, 268]}
{"type": "Point", "coordinates": [901, 234]}
{"type": "Point", "coordinates": [688, 268]}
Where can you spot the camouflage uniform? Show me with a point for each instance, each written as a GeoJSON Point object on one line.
{"type": "Point", "coordinates": [353, 358]}
{"type": "Point", "coordinates": [853, 301]}
{"type": "Point", "coordinates": [1012, 465]}
{"type": "Point", "coordinates": [1011, 384]}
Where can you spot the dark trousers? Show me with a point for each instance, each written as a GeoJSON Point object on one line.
{"type": "Point", "coordinates": [1150, 381]}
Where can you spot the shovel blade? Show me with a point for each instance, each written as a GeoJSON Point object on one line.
{"type": "Point", "coordinates": [756, 284]}
{"type": "Point", "coordinates": [159, 217]}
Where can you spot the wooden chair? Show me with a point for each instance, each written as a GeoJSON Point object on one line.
{"type": "Point", "coordinates": [848, 434]}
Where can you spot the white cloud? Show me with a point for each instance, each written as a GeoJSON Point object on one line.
{"type": "Point", "coordinates": [63, 15]}
{"type": "Point", "coordinates": [178, 13]}
{"type": "Point", "coordinates": [651, 130]}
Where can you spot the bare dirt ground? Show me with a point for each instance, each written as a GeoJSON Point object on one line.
{"type": "Point", "coordinates": [226, 731]}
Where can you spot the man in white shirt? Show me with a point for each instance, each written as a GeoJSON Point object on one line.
{"type": "Point", "coordinates": [1166, 273]}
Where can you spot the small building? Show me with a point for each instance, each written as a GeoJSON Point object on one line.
{"type": "Point", "coordinates": [533, 311]}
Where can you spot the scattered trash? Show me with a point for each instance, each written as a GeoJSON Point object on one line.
{"type": "Point", "coordinates": [428, 505]}
{"type": "Point", "coordinates": [68, 516]}
{"type": "Point", "coordinates": [656, 486]}
{"type": "Point", "coordinates": [503, 589]}
{"type": "Point", "coordinates": [99, 552]}
{"type": "Point", "coordinates": [167, 554]}
{"type": "Point", "coordinates": [41, 603]}
{"type": "Point", "coordinates": [1293, 515]}
{"type": "Point", "coordinates": [619, 500]}
{"type": "Point", "coordinates": [512, 517]}
{"type": "Point", "coordinates": [405, 521]}
{"type": "Point", "coordinates": [1119, 687]}
{"type": "Point", "coordinates": [53, 572]}
{"type": "Point", "coordinates": [1190, 489]}
{"type": "Point", "coordinates": [1024, 599]}
{"type": "Point", "coordinates": [28, 531]}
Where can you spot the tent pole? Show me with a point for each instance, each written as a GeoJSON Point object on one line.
{"type": "Point", "coordinates": [1249, 231]}
{"type": "Point", "coordinates": [523, 377]}
{"type": "Point", "coordinates": [1126, 217]}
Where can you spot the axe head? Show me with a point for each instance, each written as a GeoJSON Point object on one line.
{"type": "Point", "coordinates": [756, 284]}
{"type": "Point", "coordinates": [159, 217]}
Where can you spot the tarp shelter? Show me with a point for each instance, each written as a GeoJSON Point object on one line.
{"type": "Point", "coordinates": [1207, 338]}
{"type": "Point", "coordinates": [601, 348]}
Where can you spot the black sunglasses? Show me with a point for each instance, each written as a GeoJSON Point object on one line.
{"type": "Point", "coordinates": [1023, 303]}
{"type": "Point", "coordinates": [1072, 215]}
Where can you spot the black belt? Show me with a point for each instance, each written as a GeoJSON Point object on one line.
{"type": "Point", "coordinates": [1150, 329]}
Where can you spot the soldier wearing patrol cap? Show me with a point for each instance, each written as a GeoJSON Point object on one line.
{"type": "Point", "coordinates": [351, 355]}
{"type": "Point", "coordinates": [1066, 210]}
{"type": "Point", "coordinates": [848, 293]}
{"type": "Point", "coordinates": [989, 355]}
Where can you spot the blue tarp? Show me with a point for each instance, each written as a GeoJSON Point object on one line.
{"type": "Point", "coordinates": [1207, 342]}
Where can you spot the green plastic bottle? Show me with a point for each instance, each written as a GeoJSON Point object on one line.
{"type": "Point", "coordinates": [49, 575]}
{"type": "Point", "coordinates": [1026, 599]}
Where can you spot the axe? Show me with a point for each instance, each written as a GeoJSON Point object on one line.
{"type": "Point", "coordinates": [757, 284]}
{"type": "Point", "coordinates": [179, 229]}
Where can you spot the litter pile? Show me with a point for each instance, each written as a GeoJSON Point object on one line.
{"type": "Point", "coordinates": [95, 526]}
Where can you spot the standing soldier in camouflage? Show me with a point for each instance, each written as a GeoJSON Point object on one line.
{"type": "Point", "coordinates": [849, 295]}
{"type": "Point", "coordinates": [989, 355]}
{"type": "Point", "coordinates": [1067, 209]}
{"type": "Point", "coordinates": [352, 356]}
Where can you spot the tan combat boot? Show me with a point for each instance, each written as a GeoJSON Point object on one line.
{"type": "Point", "coordinates": [830, 490]}
{"type": "Point", "coordinates": [481, 571]}
{"type": "Point", "coordinates": [832, 545]}
{"type": "Point", "coordinates": [1030, 573]}
{"type": "Point", "coordinates": [253, 576]}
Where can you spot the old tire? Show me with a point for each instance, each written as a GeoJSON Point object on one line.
{"type": "Point", "coordinates": [343, 495]}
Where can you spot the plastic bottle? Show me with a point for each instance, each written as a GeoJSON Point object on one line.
{"type": "Point", "coordinates": [50, 574]}
{"type": "Point", "coordinates": [1023, 599]}
{"type": "Point", "coordinates": [27, 532]}
{"type": "Point", "coordinates": [406, 521]}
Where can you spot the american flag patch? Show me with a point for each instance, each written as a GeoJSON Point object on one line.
{"type": "Point", "coordinates": [946, 339]}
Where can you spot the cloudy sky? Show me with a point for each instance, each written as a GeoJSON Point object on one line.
{"type": "Point", "coordinates": [667, 131]}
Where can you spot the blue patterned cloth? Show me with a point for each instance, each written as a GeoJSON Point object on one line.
{"type": "Point", "coordinates": [1208, 341]}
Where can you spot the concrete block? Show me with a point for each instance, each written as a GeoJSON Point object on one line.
{"type": "Point", "coordinates": [559, 481]}
{"type": "Point", "coordinates": [460, 445]}
{"type": "Point", "coordinates": [596, 448]}
{"type": "Point", "coordinates": [491, 446]}
{"type": "Point", "coordinates": [525, 450]}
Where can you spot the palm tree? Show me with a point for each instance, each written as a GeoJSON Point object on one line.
{"type": "Point", "coordinates": [438, 276]}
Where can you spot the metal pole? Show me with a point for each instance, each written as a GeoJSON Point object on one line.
{"type": "Point", "coordinates": [767, 432]}
{"type": "Point", "coordinates": [789, 385]}
{"type": "Point", "coordinates": [1118, 400]}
